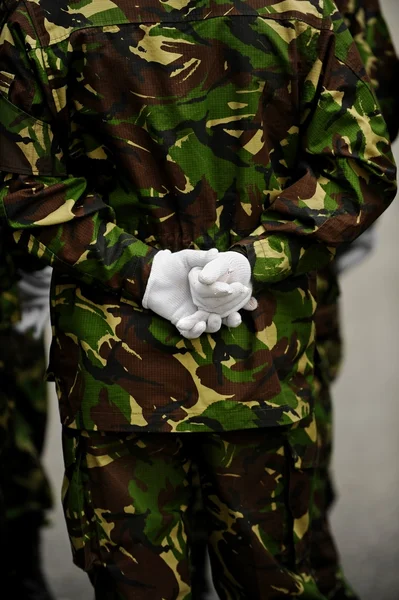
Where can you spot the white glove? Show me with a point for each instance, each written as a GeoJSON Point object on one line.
{"type": "Point", "coordinates": [230, 271]}
{"type": "Point", "coordinates": [209, 323]}
{"type": "Point", "coordinates": [221, 288]}
{"type": "Point", "coordinates": [168, 291]}
{"type": "Point", "coordinates": [34, 321]}
{"type": "Point", "coordinates": [219, 297]}
{"type": "Point", "coordinates": [34, 292]}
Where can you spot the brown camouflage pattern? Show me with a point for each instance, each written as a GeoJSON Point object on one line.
{"type": "Point", "coordinates": [194, 144]}
{"type": "Point", "coordinates": [128, 499]}
{"type": "Point", "coordinates": [366, 23]}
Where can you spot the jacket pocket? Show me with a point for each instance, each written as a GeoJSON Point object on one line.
{"type": "Point", "coordinates": [28, 145]}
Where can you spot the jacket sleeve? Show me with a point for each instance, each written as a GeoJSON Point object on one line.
{"type": "Point", "coordinates": [346, 175]}
{"type": "Point", "coordinates": [55, 215]}
{"type": "Point", "coordinates": [374, 42]}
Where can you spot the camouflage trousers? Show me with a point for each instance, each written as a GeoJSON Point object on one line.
{"type": "Point", "coordinates": [128, 502]}
{"type": "Point", "coordinates": [23, 415]}
{"type": "Point", "coordinates": [325, 559]}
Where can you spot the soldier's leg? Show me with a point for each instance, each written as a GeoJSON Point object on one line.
{"type": "Point", "coordinates": [125, 500]}
{"type": "Point", "coordinates": [325, 558]}
{"type": "Point", "coordinates": [25, 486]}
{"type": "Point", "coordinates": [258, 491]}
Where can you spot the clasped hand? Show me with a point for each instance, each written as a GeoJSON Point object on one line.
{"type": "Point", "coordinates": [198, 290]}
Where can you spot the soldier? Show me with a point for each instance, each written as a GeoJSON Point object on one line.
{"type": "Point", "coordinates": [137, 141]}
{"type": "Point", "coordinates": [23, 483]}
{"type": "Point", "coordinates": [368, 27]}
{"type": "Point", "coordinates": [372, 37]}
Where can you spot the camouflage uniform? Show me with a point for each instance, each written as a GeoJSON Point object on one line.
{"type": "Point", "coordinates": [127, 503]}
{"type": "Point", "coordinates": [246, 126]}
{"type": "Point", "coordinates": [23, 403]}
{"type": "Point", "coordinates": [23, 481]}
{"type": "Point", "coordinates": [25, 484]}
{"type": "Point", "coordinates": [24, 488]}
{"type": "Point", "coordinates": [370, 32]}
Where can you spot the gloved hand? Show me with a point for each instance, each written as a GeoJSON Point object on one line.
{"type": "Point", "coordinates": [221, 288]}
{"type": "Point", "coordinates": [188, 326]}
{"type": "Point", "coordinates": [34, 292]}
{"type": "Point", "coordinates": [168, 290]}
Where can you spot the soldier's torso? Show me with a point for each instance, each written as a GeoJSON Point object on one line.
{"type": "Point", "coordinates": [186, 117]}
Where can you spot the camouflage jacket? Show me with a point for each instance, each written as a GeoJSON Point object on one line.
{"type": "Point", "coordinates": [129, 127]}
{"type": "Point", "coordinates": [371, 34]}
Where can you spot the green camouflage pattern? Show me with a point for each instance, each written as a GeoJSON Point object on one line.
{"type": "Point", "coordinates": [366, 23]}
{"type": "Point", "coordinates": [194, 144]}
{"type": "Point", "coordinates": [368, 27]}
{"type": "Point", "coordinates": [127, 500]}
{"type": "Point", "coordinates": [23, 479]}
{"type": "Point", "coordinates": [24, 487]}
{"type": "Point", "coordinates": [371, 34]}
{"type": "Point", "coordinates": [328, 330]}
{"type": "Point", "coordinates": [372, 37]}
{"type": "Point", "coordinates": [324, 555]}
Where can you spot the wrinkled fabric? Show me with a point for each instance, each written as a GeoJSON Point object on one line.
{"type": "Point", "coordinates": [373, 40]}
{"type": "Point", "coordinates": [129, 499]}
{"type": "Point", "coordinates": [247, 126]}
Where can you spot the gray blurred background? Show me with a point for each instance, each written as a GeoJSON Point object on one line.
{"type": "Point", "coordinates": [366, 517]}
